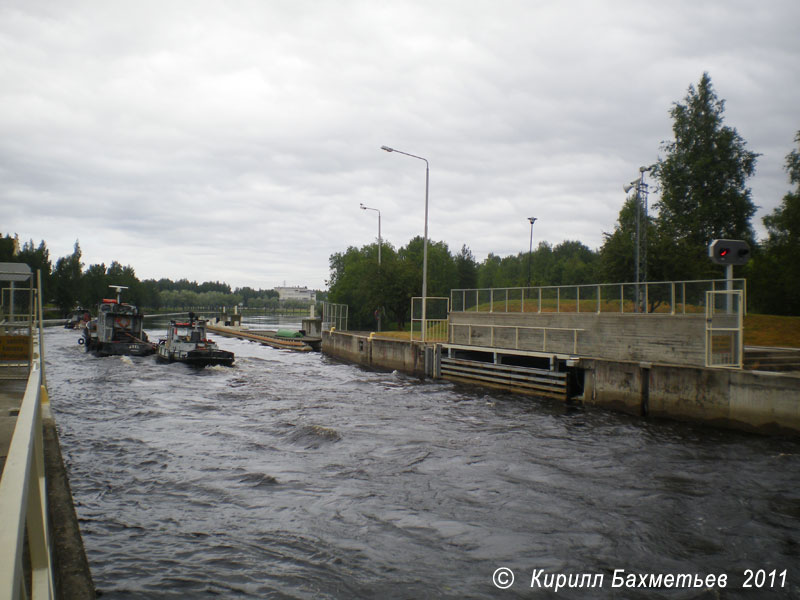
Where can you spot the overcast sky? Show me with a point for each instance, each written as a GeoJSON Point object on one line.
{"type": "Point", "coordinates": [234, 141]}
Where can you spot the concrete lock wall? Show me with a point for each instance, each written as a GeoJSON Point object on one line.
{"type": "Point", "coordinates": [759, 401]}
{"type": "Point", "coordinates": [663, 338]}
{"type": "Point", "coordinates": [375, 352]}
{"type": "Point", "coordinates": [750, 400]}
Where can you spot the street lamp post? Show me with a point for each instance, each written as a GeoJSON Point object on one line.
{"type": "Point", "coordinates": [362, 207]}
{"type": "Point", "coordinates": [530, 250]}
{"type": "Point", "coordinates": [425, 238]}
{"type": "Point", "coordinates": [380, 243]}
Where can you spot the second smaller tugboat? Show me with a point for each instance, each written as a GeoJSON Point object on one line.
{"type": "Point", "coordinates": [187, 342]}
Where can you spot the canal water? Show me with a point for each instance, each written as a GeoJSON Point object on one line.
{"type": "Point", "coordinates": [295, 476]}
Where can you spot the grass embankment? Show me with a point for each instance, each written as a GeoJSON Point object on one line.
{"type": "Point", "coordinates": [759, 330]}
{"type": "Point", "coordinates": [770, 330]}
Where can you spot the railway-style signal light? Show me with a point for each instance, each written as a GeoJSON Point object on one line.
{"type": "Point", "coordinates": [729, 252]}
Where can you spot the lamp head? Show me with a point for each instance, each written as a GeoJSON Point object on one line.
{"type": "Point", "coordinates": [532, 219]}
{"type": "Point", "coordinates": [362, 207]}
{"type": "Point", "coordinates": [645, 169]}
{"type": "Point", "coordinates": [387, 148]}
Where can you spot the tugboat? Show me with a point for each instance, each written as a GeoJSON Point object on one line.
{"type": "Point", "coordinates": [187, 342]}
{"type": "Point", "coordinates": [77, 319]}
{"type": "Point", "coordinates": [117, 330]}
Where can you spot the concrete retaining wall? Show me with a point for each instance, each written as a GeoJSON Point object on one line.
{"type": "Point", "coordinates": [662, 338]}
{"type": "Point", "coordinates": [750, 400]}
{"type": "Point", "coordinates": [73, 579]}
{"type": "Point", "coordinates": [375, 352]}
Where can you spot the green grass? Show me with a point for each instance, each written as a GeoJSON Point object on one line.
{"type": "Point", "coordinates": [771, 330]}
{"type": "Point", "coordinates": [759, 330]}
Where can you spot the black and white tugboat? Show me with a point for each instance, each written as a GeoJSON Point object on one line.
{"type": "Point", "coordinates": [117, 330]}
{"type": "Point", "coordinates": [187, 342]}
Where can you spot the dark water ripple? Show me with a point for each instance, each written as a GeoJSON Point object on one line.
{"type": "Point", "coordinates": [294, 476]}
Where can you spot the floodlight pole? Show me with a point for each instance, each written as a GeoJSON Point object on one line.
{"type": "Point", "coordinates": [640, 251]}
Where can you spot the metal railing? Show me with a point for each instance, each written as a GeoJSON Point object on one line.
{"type": "Point", "coordinates": [724, 329]}
{"type": "Point", "coordinates": [435, 328]}
{"type": "Point", "coordinates": [23, 502]}
{"type": "Point", "coordinates": [334, 316]}
{"type": "Point", "coordinates": [517, 328]}
{"type": "Point", "coordinates": [663, 297]}
{"type": "Point", "coordinates": [23, 490]}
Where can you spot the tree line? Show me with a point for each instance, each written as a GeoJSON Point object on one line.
{"type": "Point", "coordinates": [702, 180]}
{"type": "Point", "coordinates": [68, 283]}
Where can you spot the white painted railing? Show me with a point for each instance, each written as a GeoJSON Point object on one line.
{"type": "Point", "coordinates": [23, 502]}
{"type": "Point", "coordinates": [435, 330]}
{"type": "Point", "coordinates": [725, 329]}
{"type": "Point", "coordinates": [665, 297]}
{"type": "Point", "coordinates": [334, 316]}
{"type": "Point", "coordinates": [429, 319]}
{"type": "Point", "coordinates": [23, 490]}
{"type": "Point", "coordinates": [517, 329]}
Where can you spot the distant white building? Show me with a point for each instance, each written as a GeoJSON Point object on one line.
{"type": "Point", "coordinates": [296, 293]}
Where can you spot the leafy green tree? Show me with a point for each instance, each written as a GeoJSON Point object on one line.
{"type": "Point", "coordinates": [703, 178]}
{"type": "Point", "coordinates": [8, 248]}
{"type": "Point", "coordinates": [512, 271]}
{"type": "Point", "coordinates": [125, 275]}
{"type": "Point", "coordinates": [67, 280]}
{"type": "Point", "coordinates": [466, 269]}
{"type": "Point", "coordinates": [94, 286]}
{"type": "Point", "coordinates": [38, 259]}
{"type": "Point", "coordinates": [543, 263]}
{"type": "Point", "coordinates": [214, 286]}
{"type": "Point", "coordinates": [149, 296]}
{"type": "Point", "coordinates": [575, 264]}
{"type": "Point", "coordinates": [618, 252]}
{"type": "Point", "coordinates": [355, 281]}
{"type": "Point", "coordinates": [775, 272]}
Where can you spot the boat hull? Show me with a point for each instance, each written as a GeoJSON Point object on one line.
{"type": "Point", "coordinates": [136, 348]}
{"type": "Point", "coordinates": [122, 349]}
{"type": "Point", "coordinates": [197, 358]}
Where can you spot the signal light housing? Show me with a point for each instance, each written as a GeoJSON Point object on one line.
{"type": "Point", "coordinates": [729, 252]}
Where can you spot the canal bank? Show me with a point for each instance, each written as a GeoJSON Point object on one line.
{"type": "Point", "coordinates": [73, 578]}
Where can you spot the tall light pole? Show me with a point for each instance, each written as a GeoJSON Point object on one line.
{"type": "Point", "coordinates": [640, 255]}
{"type": "Point", "coordinates": [530, 250]}
{"type": "Point", "coordinates": [380, 243]}
{"type": "Point", "coordinates": [362, 207]}
{"type": "Point", "coordinates": [425, 238]}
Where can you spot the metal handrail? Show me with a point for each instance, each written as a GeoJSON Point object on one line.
{"type": "Point", "coordinates": [23, 490]}
{"type": "Point", "coordinates": [734, 335]}
{"type": "Point", "coordinates": [636, 297]}
{"type": "Point", "coordinates": [427, 326]}
{"type": "Point", "coordinates": [544, 331]}
{"type": "Point", "coordinates": [23, 502]}
{"type": "Point", "coordinates": [435, 330]}
{"type": "Point", "coordinates": [334, 316]}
